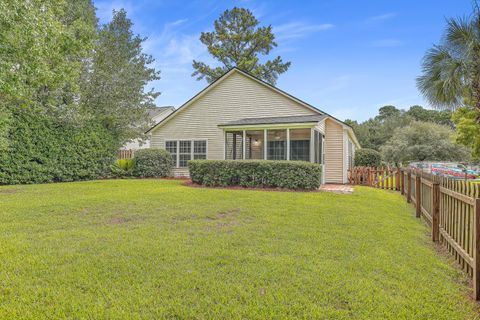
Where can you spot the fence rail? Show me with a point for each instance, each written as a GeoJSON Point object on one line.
{"type": "Point", "coordinates": [450, 207]}
{"type": "Point", "coordinates": [382, 178]}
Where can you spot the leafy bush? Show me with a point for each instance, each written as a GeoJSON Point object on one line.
{"type": "Point", "coordinates": [367, 158]}
{"type": "Point", "coordinates": [152, 163]}
{"type": "Point", "coordinates": [256, 173]}
{"type": "Point", "coordinates": [125, 164]}
{"type": "Point", "coordinates": [122, 168]}
{"type": "Point", "coordinates": [42, 149]}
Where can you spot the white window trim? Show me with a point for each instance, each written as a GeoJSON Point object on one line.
{"type": "Point", "coordinates": [192, 147]}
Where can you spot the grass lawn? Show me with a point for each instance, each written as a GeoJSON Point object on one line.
{"type": "Point", "coordinates": [154, 249]}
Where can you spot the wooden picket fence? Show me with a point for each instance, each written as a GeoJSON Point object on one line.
{"type": "Point", "coordinates": [450, 207]}
{"type": "Point", "coordinates": [382, 178]}
{"type": "Point", "coordinates": [125, 154]}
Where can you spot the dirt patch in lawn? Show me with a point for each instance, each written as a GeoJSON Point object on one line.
{"type": "Point", "coordinates": [9, 191]}
{"type": "Point", "coordinates": [119, 220]}
{"type": "Point", "coordinates": [224, 220]}
{"type": "Point", "coordinates": [177, 219]}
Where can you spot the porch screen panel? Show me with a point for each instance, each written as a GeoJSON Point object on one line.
{"type": "Point", "coordinates": [254, 144]}
{"type": "Point", "coordinates": [318, 145]}
{"type": "Point", "coordinates": [300, 144]}
{"type": "Point", "coordinates": [350, 155]}
{"type": "Point", "coordinates": [277, 144]}
{"type": "Point", "coordinates": [233, 145]}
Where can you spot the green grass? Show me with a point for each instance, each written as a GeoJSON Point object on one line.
{"type": "Point", "coordinates": [153, 249]}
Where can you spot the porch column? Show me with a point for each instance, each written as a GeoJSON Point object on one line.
{"type": "Point", "coordinates": [234, 146]}
{"type": "Point", "coordinates": [288, 144]}
{"type": "Point", "coordinates": [264, 144]}
{"type": "Point", "coordinates": [244, 144]}
{"type": "Point", "coordinates": [312, 145]}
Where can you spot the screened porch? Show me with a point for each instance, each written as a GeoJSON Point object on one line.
{"type": "Point", "coordinates": [276, 138]}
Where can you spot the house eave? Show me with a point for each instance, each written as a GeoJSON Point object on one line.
{"type": "Point", "coordinates": [299, 125]}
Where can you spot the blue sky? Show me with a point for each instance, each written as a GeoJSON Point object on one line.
{"type": "Point", "coordinates": [348, 57]}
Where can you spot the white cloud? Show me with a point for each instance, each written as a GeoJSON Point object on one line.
{"type": "Point", "coordinates": [174, 50]}
{"type": "Point", "coordinates": [387, 43]}
{"type": "Point", "coordinates": [178, 22]}
{"type": "Point", "coordinates": [382, 17]}
{"type": "Point", "coordinates": [295, 30]}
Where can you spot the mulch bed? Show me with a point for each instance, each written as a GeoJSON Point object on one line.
{"type": "Point", "coordinates": [189, 183]}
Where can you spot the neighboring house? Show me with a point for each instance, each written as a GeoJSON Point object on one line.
{"type": "Point", "coordinates": [241, 117]}
{"type": "Point", "coordinates": [156, 114]}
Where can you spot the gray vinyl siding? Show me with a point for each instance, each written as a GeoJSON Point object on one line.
{"type": "Point", "coordinates": [235, 97]}
{"type": "Point", "coordinates": [321, 126]}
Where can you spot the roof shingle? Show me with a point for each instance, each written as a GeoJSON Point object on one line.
{"type": "Point", "coordinates": [276, 120]}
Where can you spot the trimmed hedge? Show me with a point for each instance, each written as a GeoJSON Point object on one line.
{"type": "Point", "coordinates": [42, 149]}
{"type": "Point", "coordinates": [152, 163]}
{"type": "Point", "coordinates": [367, 158]}
{"type": "Point", "coordinates": [256, 173]}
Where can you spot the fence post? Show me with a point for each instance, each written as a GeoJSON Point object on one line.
{"type": "Point", "coordinates": [476, 250]}
{"type": "Point", "coordinates": [369, 176]}
{"type": "Point", "coordinates": [409, 186]}
{"type": "Point", "coordinates": [402, 186]}
{"type": "Point", "coordinates": [435, 211]}
{"type": "Point", "coordinates": [418, 195]}
{"type": "Point", "coordinates": [397, 180]}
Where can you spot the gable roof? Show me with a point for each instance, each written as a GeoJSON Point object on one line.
{"type": "Point", "coordinates": [153, 112]}
{"type": "Point", "coordinates": [276, 120]}
{"type": "Point", "coordinates": [260, 81]}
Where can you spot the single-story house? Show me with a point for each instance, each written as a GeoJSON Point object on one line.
{"type": "Point", "coordinates": [157, 114]}
{"type": "Point", "coordinates": [241, 117]}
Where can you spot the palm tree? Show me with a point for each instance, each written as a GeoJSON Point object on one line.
{"type": "Point", "coordinates": [451, 70]}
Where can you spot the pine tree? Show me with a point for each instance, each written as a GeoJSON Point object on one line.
{"type": "Point", "coordinates": [237, 42]}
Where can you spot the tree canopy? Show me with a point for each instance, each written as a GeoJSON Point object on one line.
{"type": "Point", "coordinates": [114, 82]}
{"type": "Point", "coordinates": [422, 141]}
{"type": "Point", "coordinates": [71, 93]}
{"type": "Point", "coordinates": [451, 77]}
{"type": "Point", "coordinates": [376, 131]}
{"type": "Point", "coordinates": [238, 41]}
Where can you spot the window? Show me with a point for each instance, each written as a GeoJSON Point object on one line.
{"type": "Point", "coordinates": [184, 150]}
{"type": "Point", "coordinates": [171, 146]}
{"type": "Point", "coordinates": [185, 153]}
{"type": "Point", "coordinates": [200, 149]}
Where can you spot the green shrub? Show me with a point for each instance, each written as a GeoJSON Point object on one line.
{"type": "Point", "coordinates": [367, 158]}
{"type": "Point", "coordinates": [256, 173]}
{"type": "Point", "coordinates": [42, 149]}
{"type": "Point", "coordinates": [125, 164]}
{"type": "Point", "coordinates": [122, 168]}
{"type": "Point", "coordinates": [152, 163]}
